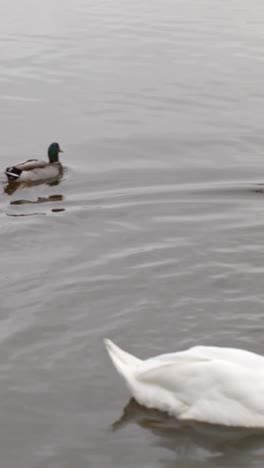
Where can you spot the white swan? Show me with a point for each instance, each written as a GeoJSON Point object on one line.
{"type": "Point", "coordinates": [208, 384]}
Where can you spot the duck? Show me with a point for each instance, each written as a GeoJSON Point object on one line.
{"type": "Point", "coordinates": [208, 384]}
{"type": "Point", "coordinates": [35, 170]}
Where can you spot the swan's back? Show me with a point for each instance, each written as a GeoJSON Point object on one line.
{"type": "Point", "coordinates": [197, 354]}
{"type": "Point", "coordinates": [209, 384]}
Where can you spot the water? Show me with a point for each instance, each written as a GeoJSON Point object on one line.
{"type": "Point", "coordinates": [154, 235]}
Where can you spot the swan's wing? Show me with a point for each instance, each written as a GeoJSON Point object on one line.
{"type": "Point", "coordinates": [172, 374]}
{"type": "Point", "coordinates": [176, 387]}
{"type": "Point", "coordinates": [31, 164]}
{"type": "Point", "coordinates": [213, 391]}
{"type": "Point", "coordinates": [190, 376]}
{"type": "Point", "coordinates": [241, 357]}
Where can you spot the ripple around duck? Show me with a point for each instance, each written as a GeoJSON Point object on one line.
{"type": "Point", "coordinates": [145, 234]}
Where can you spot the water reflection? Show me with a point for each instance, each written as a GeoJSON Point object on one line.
{"type": "Point", "coordinates": [193, 440]}
{"type": "Point", "coordinates": [51, 198]}
{"type": "Point", "coordinates": [25, 214]}
{"type": "Point", "coordinates": [39, 200]}
{"type": "Point", "coordinates": [12, 187]}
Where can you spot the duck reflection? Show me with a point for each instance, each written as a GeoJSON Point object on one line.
{"type": "Point", "coordinates": [39, 200]}
{"type": "Point", "coordinates": [12, 187]}
{"type": "Point", "coordinates": [193, 440]}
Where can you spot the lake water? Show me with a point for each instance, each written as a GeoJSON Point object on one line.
{"type": "Point", "coordinates": [154, 235]}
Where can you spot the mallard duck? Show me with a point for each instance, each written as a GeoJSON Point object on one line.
{"type": "Point", "coordinates": [208, 384]}
{"type": "Point", "coordinates": [33, 169]}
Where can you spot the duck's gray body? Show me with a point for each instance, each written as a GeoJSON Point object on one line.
{"type": "Point", "coordinates": [34, 169]}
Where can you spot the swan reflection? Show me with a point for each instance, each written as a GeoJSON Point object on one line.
{"type": "Point", "coordinates": [194, 440]}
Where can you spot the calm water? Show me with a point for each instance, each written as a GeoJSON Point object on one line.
{"type": "Point", "coordinates": [154, 235]}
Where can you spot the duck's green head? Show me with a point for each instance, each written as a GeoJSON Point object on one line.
{"type": "Point", "coordinates": [53, 152]}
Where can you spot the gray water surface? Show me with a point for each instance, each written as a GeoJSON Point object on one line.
{"type": "Point", "coordinates": [153, 237]}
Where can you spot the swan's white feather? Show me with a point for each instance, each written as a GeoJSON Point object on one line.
{"type": "Point", "coordinates": [208, 384]}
